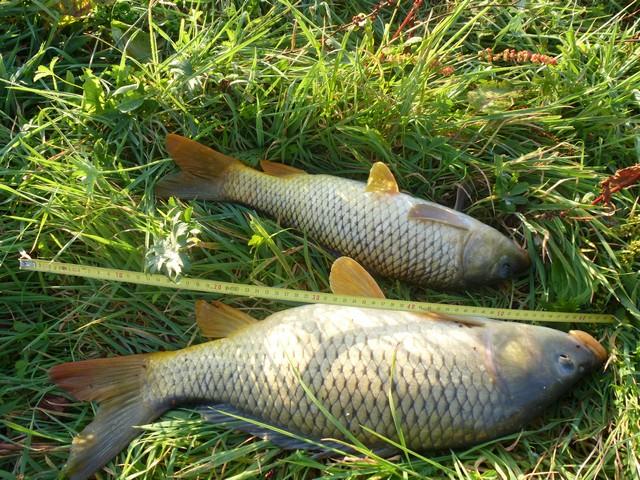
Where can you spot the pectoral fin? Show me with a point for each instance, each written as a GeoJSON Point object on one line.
{"type": "Point", "coordinates": [460, 320]}
{"type": "Point", "coordinates": [348, 277]}
{"type": "Point", "coordinates": [283, 438]}
{"type": "Point", "coordinates": [234, 418]}
{"type": "Point", "coordinates": [432, 212]}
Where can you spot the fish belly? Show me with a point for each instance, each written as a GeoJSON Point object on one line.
{"type": "Point", "coordinates": [373, 228]}
{"type": "Point", "coordinates": [386, 371]}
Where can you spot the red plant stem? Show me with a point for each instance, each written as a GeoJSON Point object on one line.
{"type": "Point", "coordinates": [632, 177]}
{"type": "Point", "coordinates": [608, 191]}
{"type": "Point", "coordinates": [408, 18]}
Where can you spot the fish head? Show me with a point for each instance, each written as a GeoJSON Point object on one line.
{"type": "Point", "coordinates": [489, 256]}
{"type": "Point", "coordinates": [536, 365]}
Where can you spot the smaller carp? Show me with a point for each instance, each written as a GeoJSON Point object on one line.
{"type": "Point", "coordinates": [388, 232]}
{"type": "Point", "coordinates": [443, 381]}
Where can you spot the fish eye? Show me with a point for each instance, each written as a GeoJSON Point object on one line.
{"type": "Point", "coordinates": [566, 364]}
{"type": "Point", "coordinates": [505, 269]}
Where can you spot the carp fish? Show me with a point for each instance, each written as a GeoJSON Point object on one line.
{"type": "Point", "coordinates": [327, 373]}
{"type": "Point", "coordinates": [388, 232]}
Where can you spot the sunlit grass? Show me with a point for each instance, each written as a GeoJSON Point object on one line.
{"type": "Point", "coordinates": [85, 104]}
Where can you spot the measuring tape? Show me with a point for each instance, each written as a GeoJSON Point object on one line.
{"type": "Point", "coordinates": [284, 294]}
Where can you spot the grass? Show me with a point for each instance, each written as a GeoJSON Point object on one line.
{"type": "Point", "coordinates": [86, 101]}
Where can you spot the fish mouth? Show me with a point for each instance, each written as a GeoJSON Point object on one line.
{"type": "Point", "coordinates": [525, 259]}
{"type": "Point", "coordinates": [591, 343]}
{"type": "Point", "coordinates": [519, 261]}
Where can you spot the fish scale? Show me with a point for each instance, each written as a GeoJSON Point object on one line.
{"type": "Point", "coordinates": [389, 232]}
{"type": "Point", "coordinates": [441, 400]}
{"type": "Point", "coordinates": [371, 228]}
{"type": "Point", "coordinates": [444, 382]}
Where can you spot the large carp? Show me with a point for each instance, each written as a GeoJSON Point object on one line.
{"type": "Point", "coordinates": [388, 232]}
{"type": "Point", "coordinates": [442, 381]}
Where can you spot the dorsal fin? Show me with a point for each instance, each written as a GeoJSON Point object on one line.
{"type": "Point", "coordinates": [381, 179]}
{"type": "Point", "coordinates": [217, 320]}
{"type": "Point", "coordinates": [348, 277]}
{"type": "Point", "coordinates": [432, 212]}
{"type": "Point", "coordinates": [276, 169]}
{"type": "Point", "coordinates": [196, 158]}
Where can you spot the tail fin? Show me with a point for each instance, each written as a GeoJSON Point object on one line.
{"type": "Point", "coordinates": [202, 170]}
{"type": "Point", "coordinates": [117, 384]}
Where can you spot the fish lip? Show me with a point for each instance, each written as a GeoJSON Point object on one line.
{"type": "Point", "coordinates": [591, 343]}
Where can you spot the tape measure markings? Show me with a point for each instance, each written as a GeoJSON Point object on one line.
{"type": "Point", "coordinates": [284, 294]}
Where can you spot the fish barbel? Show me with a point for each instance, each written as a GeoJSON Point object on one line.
{"type": "Point", "coordinates": [388, 232]}
{"type": "Point", "coordinates": [444, 382]}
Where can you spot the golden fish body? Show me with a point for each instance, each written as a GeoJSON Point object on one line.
{"type": "Point", "coordinates": [441, 383]}
{"type": "Point", "coordinates": [451, 384]}
{"type": "Point", "coordinates": [389, 232]}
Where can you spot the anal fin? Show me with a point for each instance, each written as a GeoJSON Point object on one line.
{"type": "Point", "coordinates": [279, 169]}
{"type": "Point", "coordinates": [187, 187]}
